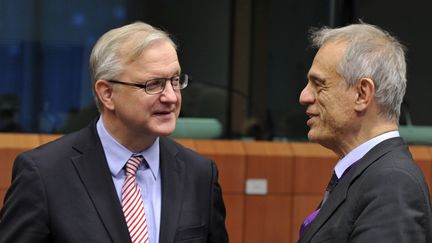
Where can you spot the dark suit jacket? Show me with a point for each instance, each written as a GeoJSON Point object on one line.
{"type": "Point", "coordinates": [63, 192]}
{"type": "Point", "coordinates": [382, 198]}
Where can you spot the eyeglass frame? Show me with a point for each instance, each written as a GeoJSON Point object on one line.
{"type": "Point", "coordinates": [144, 85]}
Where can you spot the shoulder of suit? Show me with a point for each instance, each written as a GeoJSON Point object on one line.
{"type": "Point", "coordinates": [64, 145]}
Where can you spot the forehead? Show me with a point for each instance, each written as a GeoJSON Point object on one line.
{"type": "Point", "coordinates": [159, 51]}
{"type": "Point", "coordinates": [327, 60]}
{"type": "Point", "coordinates": [157, 59]}
{"type": "Point", "coordinates": [135, 46]}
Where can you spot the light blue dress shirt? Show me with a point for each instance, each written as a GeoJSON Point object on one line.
{"type": "Point", "coordinates": [360, 151]}
{"type": "Point", "coordinates": [148, 179]}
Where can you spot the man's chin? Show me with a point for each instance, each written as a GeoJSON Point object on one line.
{"type": "Point", "coordinates": [165, 130]}
{"type": "Point", "coordinates": [312, 136]}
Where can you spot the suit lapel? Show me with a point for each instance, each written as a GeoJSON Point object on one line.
{"type": "Point", "coordinates": [339, 194]}
{"type": "Point", "coordinates": [172, 172]}
{"type": "Point", "coordinates": [93, 170]}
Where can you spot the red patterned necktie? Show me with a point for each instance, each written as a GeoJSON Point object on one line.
{"type": "Point", "coordinates": [133, 206]}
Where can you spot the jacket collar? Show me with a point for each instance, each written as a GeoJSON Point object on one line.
{"type": "Point", "coordinates": [94, 173]}
{"type": "Point", "coordinates": [172, 172]}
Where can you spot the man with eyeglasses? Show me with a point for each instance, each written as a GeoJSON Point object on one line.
{"type": "Point", "coordinates": [120, 179]}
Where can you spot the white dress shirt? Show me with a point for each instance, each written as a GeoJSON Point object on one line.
{"type": "Point", "coordinates": [357, 153]}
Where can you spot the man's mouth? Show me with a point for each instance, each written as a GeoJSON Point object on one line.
{"type": "Point", "coordinates": [311, 116]}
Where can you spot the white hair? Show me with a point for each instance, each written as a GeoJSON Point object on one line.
{"type": "Point", "coordinates": [107, 56]}
{"type": "Point", "coordinates": [370, 53]}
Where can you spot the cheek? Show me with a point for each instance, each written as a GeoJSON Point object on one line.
{"type": "Point", "coordinates": [179, 98]}
{"type": "Point", "coordinates": [179, 102]}
{"type": "Point", "coordinates": [324, 105]}
{"type": "Point", "coordinates": [331, 111]}
{"type": "Point", "coordinates": [146, 105]}
{"type": "Point", "coordinates": [339, 118]}
{"type": "Point", "coordinates": [332, 102]}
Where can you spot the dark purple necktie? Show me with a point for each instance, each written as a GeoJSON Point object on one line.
{"type": "Point", "coordinates": [333, 182]}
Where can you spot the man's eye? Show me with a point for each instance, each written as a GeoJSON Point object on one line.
{"type": "Point", "coordinates": [175, 81]}
{"type": "Point", "coordinates": [154, 84]}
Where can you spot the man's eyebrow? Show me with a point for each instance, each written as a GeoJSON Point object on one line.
{"type": "Point", "coordinates": [315, 78]}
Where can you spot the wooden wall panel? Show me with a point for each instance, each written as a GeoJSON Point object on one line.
{"type": "Point", "coordinates": [8, 156]}
{"type": "Point", "coordinates": [255, 219]}
{"type": "Point", "coordinates": [45, 138]}
{"type": "Point", "coordinates": [423, 157]}
{"type": "Point", "coordinates": [268, 219]}
{"type": "Point", "coordinates": [188, 143]}
{"type": "Point", "coordinates": [303, 206]}
{"type": "Point", "coordinates": [272, 161]}
{"type": "Point", "coordinates": [2, 196]}
{"type": "Point", "coordinates": [297, 175]}
{"type": "Point", "coordinates": [230, 159]}
{"type": "Point", "coordinates": [18, 140]}
{"type": "Point", "coordinates": [11, 144]}
{"type": "Point", "coordinates": [234, 204]}
{"type": "Point", "coordinates": [313, 168]}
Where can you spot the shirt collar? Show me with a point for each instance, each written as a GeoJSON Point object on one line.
{"type": "Point", "coordinates": [357, 153]}
{"type": "Point", "coordinates": [117, 155]}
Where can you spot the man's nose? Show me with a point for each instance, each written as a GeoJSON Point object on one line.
{"type": "Point", "coordinates": [169, 94]}
{"type": "Point", "coordinates": [306, 96]}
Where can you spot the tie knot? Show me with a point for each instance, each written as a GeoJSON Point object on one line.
{"type": "Point", "coordinates": [133, 164]}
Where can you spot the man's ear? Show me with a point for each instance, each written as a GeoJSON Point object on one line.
{"type": "Point", "coordinates": [104, 91]}
{"type": "Point", "coordinates": [365, 94]}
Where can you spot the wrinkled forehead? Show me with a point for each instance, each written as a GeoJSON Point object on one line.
{"type": "Point", "coordinates": [326, 63]}
{"type": "Point", "coordinates": [330, 54]}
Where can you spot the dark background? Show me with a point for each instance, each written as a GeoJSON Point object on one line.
{"type": "Point", "coordinates": [248, 58]}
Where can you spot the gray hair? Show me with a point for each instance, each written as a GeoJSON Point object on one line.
{"type": "Point", "coordinates": [108, 54]}
{"type": "Point", "coordinates": [370, 53]}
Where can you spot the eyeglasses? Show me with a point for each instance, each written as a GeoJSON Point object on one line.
{"type": "Point", "coordinates": [157, 85]}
